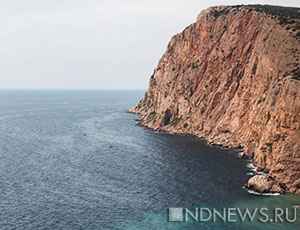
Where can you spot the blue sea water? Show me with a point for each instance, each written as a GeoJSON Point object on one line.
{"type": "Point", "coordinates": [74, 159]}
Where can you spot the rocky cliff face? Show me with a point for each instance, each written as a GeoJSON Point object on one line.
{"type": "Point", "coordinates": [233, 78]}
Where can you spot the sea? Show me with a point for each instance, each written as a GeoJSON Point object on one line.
{"type": "Point", "coordinates": [74, 159]}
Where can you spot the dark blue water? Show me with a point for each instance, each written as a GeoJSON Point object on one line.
{"type": "Point", "coordinates": [76, 160]}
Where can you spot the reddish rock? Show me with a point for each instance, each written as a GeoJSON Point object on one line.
{"type": "Point", "coordinates": [233, 77]}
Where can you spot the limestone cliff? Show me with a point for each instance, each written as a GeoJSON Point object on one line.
{"type": "Point", "coordinates": [233, 77]}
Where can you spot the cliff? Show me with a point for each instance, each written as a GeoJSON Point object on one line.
{"type": "Point", "coordinates": [233, 78]}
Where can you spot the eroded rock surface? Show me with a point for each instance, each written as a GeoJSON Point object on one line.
{"type": "Point", "coordinates": [260, 184]}
{"type": "Point", "coordinates": [233, 77]}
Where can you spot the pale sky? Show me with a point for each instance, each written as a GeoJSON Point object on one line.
{"type": "Point", "coordinates": [91, 44]}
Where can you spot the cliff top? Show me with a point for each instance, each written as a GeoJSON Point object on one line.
{"type": "Point", "coordinates": [288, 17]}
{"type": "Point", "coordinates": [281, 12]}
{"type": "Point", "coordinates": [287, 12]}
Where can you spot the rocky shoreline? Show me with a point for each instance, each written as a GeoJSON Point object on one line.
{"type": "Point", "coordinates": [260, 184]}
{"type": "Point", "coordinates": [233, 78]}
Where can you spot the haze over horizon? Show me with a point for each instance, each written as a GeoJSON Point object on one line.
{"type": "Point", "coordinates": [91, 44]}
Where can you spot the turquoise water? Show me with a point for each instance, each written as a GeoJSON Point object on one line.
{"type": "Point", "coordinates": [76, 160]}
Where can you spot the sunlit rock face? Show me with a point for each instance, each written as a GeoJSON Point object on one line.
{"type": "Point", "coordinates": [233, 77]}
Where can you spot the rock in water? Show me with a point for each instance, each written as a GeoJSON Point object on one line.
{"type": "Point", "coordinates": [260, 184]}
{"type": "Point", "coordinates": [233, 77]}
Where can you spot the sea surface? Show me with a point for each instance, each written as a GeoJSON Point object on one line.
{"type": "Point", "coordinates": [74, 159]}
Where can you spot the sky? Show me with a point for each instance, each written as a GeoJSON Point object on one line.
{"type": "Point", "coordinates": [91, 44]}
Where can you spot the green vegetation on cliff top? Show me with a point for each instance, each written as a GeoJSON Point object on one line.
{"type": "Point", "coordinates": [280, 11]}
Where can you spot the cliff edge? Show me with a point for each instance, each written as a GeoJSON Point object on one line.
{"type": "Point", "coordinates": [233, 78]}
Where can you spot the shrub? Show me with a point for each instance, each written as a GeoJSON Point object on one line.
{"type": "Point", "coordinates": [194, 66]}
{"type": "Point", "coordinates": [175, 121]}
{"type": "Point", "coordinates": [216, 13]}
{"type": "Point", "coordinates": [152, 113]}
{"type": "Point", "coordinates": [153, 82]}
{"type": "Point", "coordinates": [281, 12]}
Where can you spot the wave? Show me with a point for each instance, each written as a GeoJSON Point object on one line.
{"type": "Point", "coordinates": [253, 168]}
{"type": "Point", "coordinates": [263, 194]}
